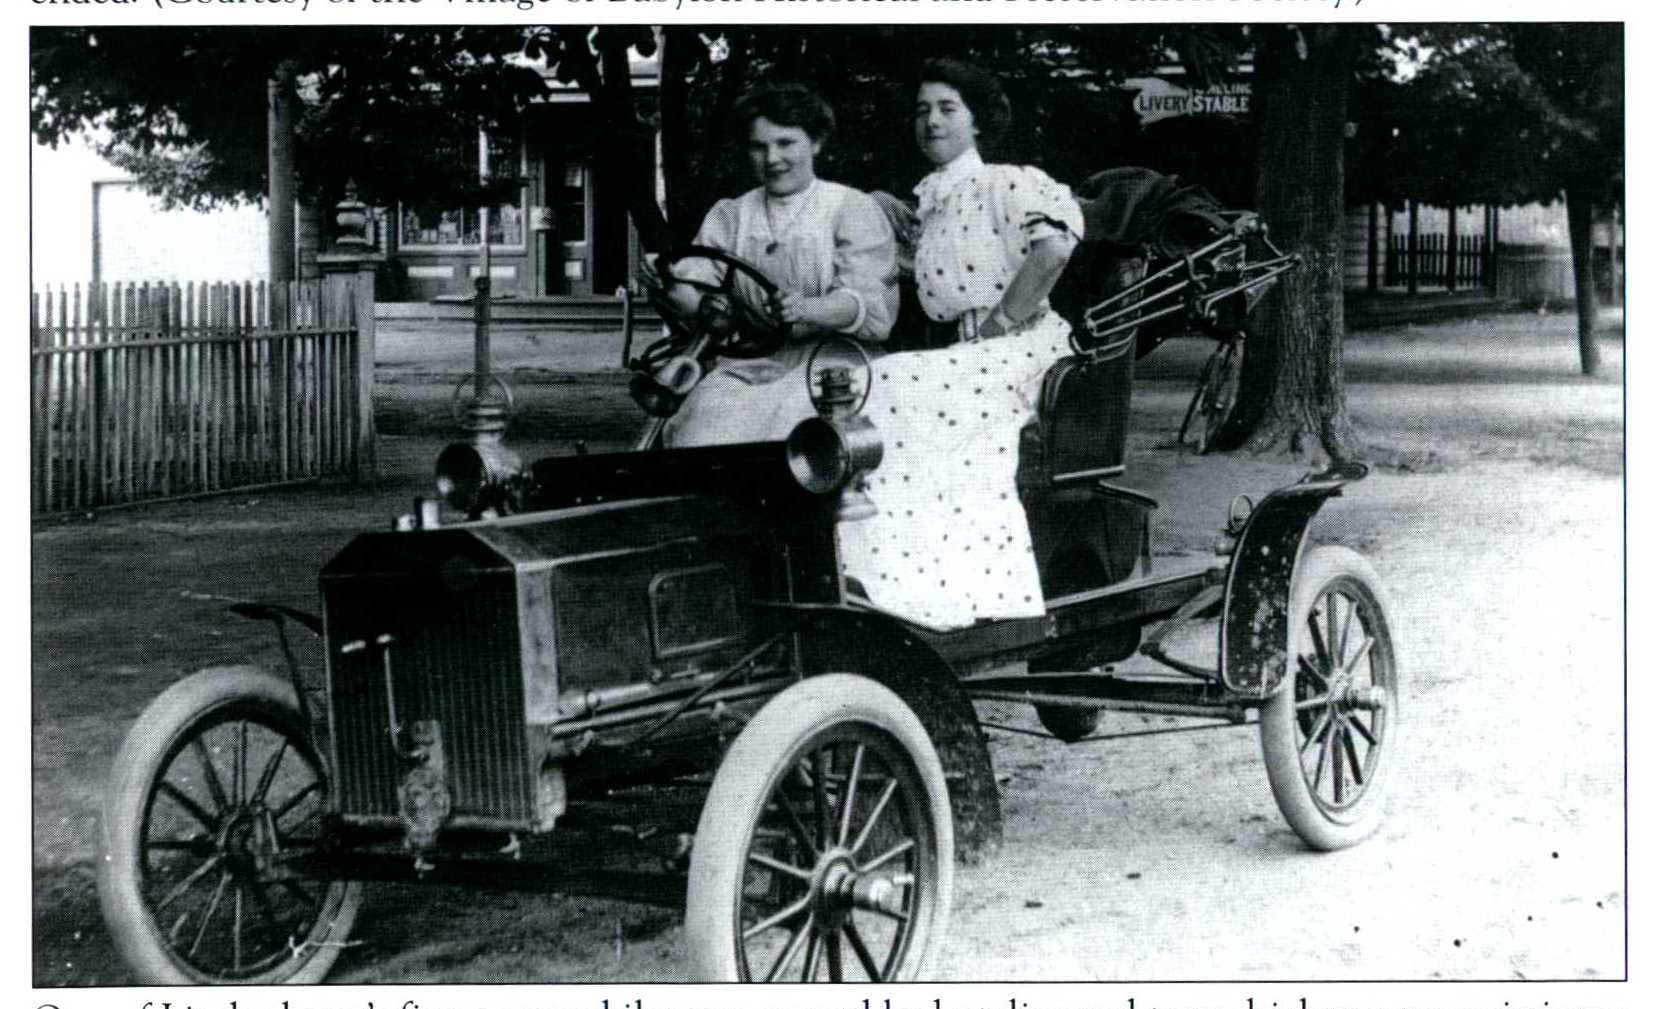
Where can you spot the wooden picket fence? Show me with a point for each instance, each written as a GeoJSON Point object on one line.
{"type": "Point", "coordinates": [143, 391]}
{"type": "Point", "coordinates": [1431, 263]}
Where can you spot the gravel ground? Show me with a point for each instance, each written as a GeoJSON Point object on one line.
{"type": "Point", "coordinates": [1497, 531]}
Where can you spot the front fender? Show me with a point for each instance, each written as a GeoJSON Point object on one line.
{"type": "Point", "coordinates": [310, 695]}
{"type": "Point", "coordinates": [1255, 636]}
{"type": "Point", "coordinates": [277, 614]}
{"type": "Point", "coordinates": [841, 640]}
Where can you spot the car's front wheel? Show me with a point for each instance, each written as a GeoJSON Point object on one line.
{"type": "Point", "coordinates": [824, 852]}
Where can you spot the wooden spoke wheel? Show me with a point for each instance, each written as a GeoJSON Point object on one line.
{"type": "Point", "coordinates": [1327, 736]}
{"type": "Point", "coordinates": [824, 852]}
{"type": "Point", "coordinates": [216, 790]}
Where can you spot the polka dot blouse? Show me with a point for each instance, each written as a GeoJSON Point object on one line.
{"type": "Point", "coordinates": [977, 224]}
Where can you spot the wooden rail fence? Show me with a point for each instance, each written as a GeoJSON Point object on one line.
{"type": "Point", "coordinates": [155, 390]}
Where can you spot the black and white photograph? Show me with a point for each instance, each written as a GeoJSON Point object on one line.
{"type": "Point", "coordinates": [872, 500]}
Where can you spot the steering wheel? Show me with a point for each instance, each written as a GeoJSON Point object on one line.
{"type": "Point", "coordinates": [725, 323]}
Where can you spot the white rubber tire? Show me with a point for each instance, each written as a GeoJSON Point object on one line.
{"type": "Point", "coordinates": [166, 725]}
{"type": "Point", "coordinates": [791, 724]}
{"type": "Point", "coordinates": [1326, 572]}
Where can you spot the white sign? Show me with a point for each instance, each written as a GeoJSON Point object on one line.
{"type": "Point", "coordinates": [1156, 98]}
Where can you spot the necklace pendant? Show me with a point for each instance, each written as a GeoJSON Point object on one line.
{"type": "Point", "coordinates": [771, 248]}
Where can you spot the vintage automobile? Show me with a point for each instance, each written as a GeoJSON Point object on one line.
{"type": "Point", "coordinates": [641, 673]}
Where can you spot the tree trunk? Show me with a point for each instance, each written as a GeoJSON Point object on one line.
{"type": "Point", "coordinates": [280, 101]}
{"type": "Point", "coordinates": [1301, 82]}
{"type": "Point", "coordinates": [627, 150]}
{"type": "Point", "coordinates": [1578, 206]}
{"type": "Point", "coordinates": [693, 168]}
{"type": "Point", "coordinates": [638, 148]}
{"type": "Point", "coordinates": [718, 152]}
{"type": "Point", "coordinates": [678, 56]}
{"type": "Point", "coordinates": [1618, 296]}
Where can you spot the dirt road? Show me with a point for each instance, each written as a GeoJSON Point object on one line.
{"type": "Point", "coordinates": [1155, 858]}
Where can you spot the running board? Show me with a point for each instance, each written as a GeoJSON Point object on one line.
{"type": "Point", "coordinates": [1106, 691]}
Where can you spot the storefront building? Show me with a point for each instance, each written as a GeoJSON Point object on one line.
{"type": "Point", "coordinates": [567, 236]}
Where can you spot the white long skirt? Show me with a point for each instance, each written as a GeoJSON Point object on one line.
{"type": "Point", "coordinates": [741, 401]}
{"type": "Point", "coordinates": [949, 544]}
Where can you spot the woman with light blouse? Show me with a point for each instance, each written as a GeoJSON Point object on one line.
{"type": "Point", "coordinates": [950, 545]}
{"type": "Point", "coordinates": [828, 247]}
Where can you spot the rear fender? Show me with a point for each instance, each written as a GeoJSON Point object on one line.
{"type": "Point", "coordinates": [882, 649]}
{"type": "Point", "coordinates": [1255, 636]}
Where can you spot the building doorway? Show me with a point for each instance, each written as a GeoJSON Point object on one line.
{"type": "Point", "coordinates": [570, 236]}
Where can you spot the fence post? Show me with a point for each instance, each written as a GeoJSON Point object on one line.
{"type": "Point", "coordinates": [39, 372]}
{"type": "Point", "coordinates": [1494, 250]}
{"type": "Point", "coordinates": [351, 282]}
{"type": "Point", "coordinates": [1391, 274]}
{"type": "Point", "coordinates": [1450, 271]}
{"type": "Point", "coordinates": [282, 347]}
{"type": "Point", "coordinates": [1373, 246]}
{"type": "Point", "coordinates": [1413, 247]}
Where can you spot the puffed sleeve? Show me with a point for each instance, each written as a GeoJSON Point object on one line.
{"type": "Point", "coordinates": [1030, 205]}
{"type": "Point", "coordinates": [864, 265]}
{"type": "Point", "coordinates": [720, 230]}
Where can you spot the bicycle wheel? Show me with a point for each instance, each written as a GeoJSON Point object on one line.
{"type": "Point", "coordinates": [1214, 398]}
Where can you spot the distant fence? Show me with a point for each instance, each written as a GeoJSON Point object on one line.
{"type": "Point", "coordinates": [1432, 263]}
{"type": "Point", "coordinates": [1536, 273]}
{"type": "Point", "coordinates": [155, 390]}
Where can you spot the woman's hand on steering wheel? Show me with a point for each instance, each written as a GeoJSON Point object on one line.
{"type": "Point", "coordinates": [731, 325]}
{"type": "Point", "coordinates": [789, 307]}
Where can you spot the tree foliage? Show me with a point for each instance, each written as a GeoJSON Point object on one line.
{"type": "Point", "coordinates": [1449, 113]}
{"type": "Point", "coordinates": [366, 92]}
{"type": "Point", "coordinates": [597, 59]}
{"type": "Point", "coordinates": [1069, 119]}
{"type": "Point", "coordinates": [1455, 114]}
{"type": "Point", "coordinates": [1515, 113]}
{"type": "Point", "coordinates": [383, 108]}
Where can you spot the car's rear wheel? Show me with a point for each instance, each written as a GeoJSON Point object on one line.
{"type": "Point", "coordinates": [1068, 572]}
{"type": "Point", "coordinates": [215, 791]}
{"type": "Point", "coordinates": [824, 852]}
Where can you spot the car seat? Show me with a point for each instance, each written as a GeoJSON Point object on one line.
{"type": "Point", "coordinates": [1087, 531]}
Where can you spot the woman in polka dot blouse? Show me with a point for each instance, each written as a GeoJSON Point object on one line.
{"type": "Point", "coordinates": [949, 545]}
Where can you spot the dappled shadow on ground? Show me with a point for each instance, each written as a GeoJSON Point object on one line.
{"type": "Point", "coordinates": [1504, 387]}
{"type": "Point", "coordinates": [120, 611]}
{"type": "Point", "coordinates": [71, 946]}
{"type": "Point", "coordinates": [1518, 348]}
{"type": "Point", "coordinates": [559, 409]}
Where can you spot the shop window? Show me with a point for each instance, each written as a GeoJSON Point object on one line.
{"type": "Point", "coordinates": [458, 227]}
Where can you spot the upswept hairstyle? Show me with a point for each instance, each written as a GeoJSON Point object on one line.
{"type": "Point", "coordinates": [782, 105]}
{"type": "Point", "coordinates": [981, 92]}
